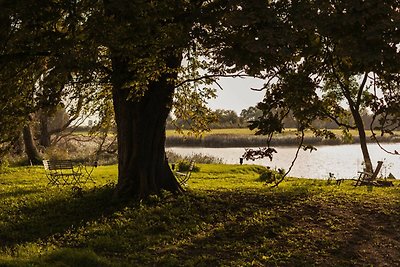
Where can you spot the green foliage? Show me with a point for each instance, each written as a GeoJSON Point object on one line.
{"type": "Point", "coordinates": [190, 100]}
{"type": "Point", "coordinates": [250, 114]}
{"type": "Point", "coordinates": [61, 54]}
{"type": "Point", "coordinates": [271, 176]}
{"type": "Point", "coordinates": [227, 118]}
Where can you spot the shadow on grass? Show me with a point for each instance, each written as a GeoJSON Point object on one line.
{"type": "Point", "coordinates": [59, 213]}
{"type": "Point", "coordinates": [61, 257]}
{"type": "Point", "coordinates": [373, 237]}
{"type": "Point", "coordinates": [138, 230]}
{"type": "Point", "coordinates": [19, 192]}
{"type": "Point", "coordinates": [294, 227]}
{"type": "Point", "coordinates": [245, 229]}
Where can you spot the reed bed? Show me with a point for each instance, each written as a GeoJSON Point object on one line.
{"type": "Point", "coordinates": [232, 140]}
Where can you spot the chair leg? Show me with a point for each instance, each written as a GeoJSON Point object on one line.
{"type": "Point", "coordinates": [358, 182]}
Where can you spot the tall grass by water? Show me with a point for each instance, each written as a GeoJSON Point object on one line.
{"type": "Point", "coordinates": [228, 217]}
{"type": "Point", "coordinates": [239, 140]}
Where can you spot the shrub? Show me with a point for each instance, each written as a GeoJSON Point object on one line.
{"type": "Point", "coordinates": [272, 176]}
{"type": "Point", "coordinates": [199, 158]}
{"type": "Point", "coordinates": [268, 176]}
{"type": "Point", "coordinates": [183, 166]}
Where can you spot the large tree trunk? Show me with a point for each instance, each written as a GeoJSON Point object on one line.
{"type": "Point", "coordinates": [142, 165]}
{"type": "Point", "coordinates": [30, 147]}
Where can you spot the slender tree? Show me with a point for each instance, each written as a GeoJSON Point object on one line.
{"type": "Point", "coordinates": [341, 52]}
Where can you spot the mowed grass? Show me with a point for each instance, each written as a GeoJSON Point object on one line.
{"type": "Point", "coordinates": [227, 218]}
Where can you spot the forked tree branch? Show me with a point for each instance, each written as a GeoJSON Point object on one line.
{"type": "Point", "coordinates": [360, 90]}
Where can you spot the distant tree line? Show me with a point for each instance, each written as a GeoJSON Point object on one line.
{"type": "Point", "coordinates": [226, 118]}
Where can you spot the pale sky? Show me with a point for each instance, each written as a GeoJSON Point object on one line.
{"type": "Point", "coordinates": [237, 94]}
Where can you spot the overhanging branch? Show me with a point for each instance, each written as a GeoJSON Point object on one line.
{"type": "Point", "coordinates": [293, 161]}
{"type": "Point", "coordinates": [212, 76]}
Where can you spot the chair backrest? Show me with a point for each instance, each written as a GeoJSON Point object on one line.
{"type": "Point", "coordinates": [377, 170]}
{"type": "Point", "coordinates": [57, 164]}
{"type": "Point", "coordinates": [46, 164]}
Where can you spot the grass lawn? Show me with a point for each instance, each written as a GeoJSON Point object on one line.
{"type": "Point", "coordinates": [227, 218]}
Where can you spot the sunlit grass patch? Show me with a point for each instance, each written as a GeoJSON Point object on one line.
{"type": "Point", "coordinates": [228, 217]}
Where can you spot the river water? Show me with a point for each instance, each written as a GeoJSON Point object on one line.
{"type": "Point", "coordinates": [342, 160]}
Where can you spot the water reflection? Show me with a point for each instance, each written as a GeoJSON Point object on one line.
{"type": "Point", "coordinates": [344, 160]}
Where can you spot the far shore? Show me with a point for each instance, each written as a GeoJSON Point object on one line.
{"type": "Point", "coordinates": [242, 137]}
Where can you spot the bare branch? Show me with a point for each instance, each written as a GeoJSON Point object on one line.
{"type": "Point", "coordinates": [339, 123]}
{"type": "Point", "coordinates": [395, 152]}
{"type": "Point", "coordinates": [293, 161]}
{"type": "Point", "coordinates": [219, 86]}
{"type": "Point", "coordinates": [78, 123]}
{"type": "Point", "coordinates": [258, 89]}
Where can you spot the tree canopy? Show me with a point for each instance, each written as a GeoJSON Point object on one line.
{"type": "Point", "coordinates": [96, 52]}
{"type": "Point", "coordinates": [130, 55]}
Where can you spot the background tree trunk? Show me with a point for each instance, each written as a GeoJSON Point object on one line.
{"type": "Point", "coordinates": [363, 140]}
{"type": "Point", "coordinates": [142, 165]}
{"type": "Point", "coordinates": [18, 146]}
{"type": "Point", "coordinates": [30, 147]}
{"type": "Point", "coordinates": [44, 138]}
